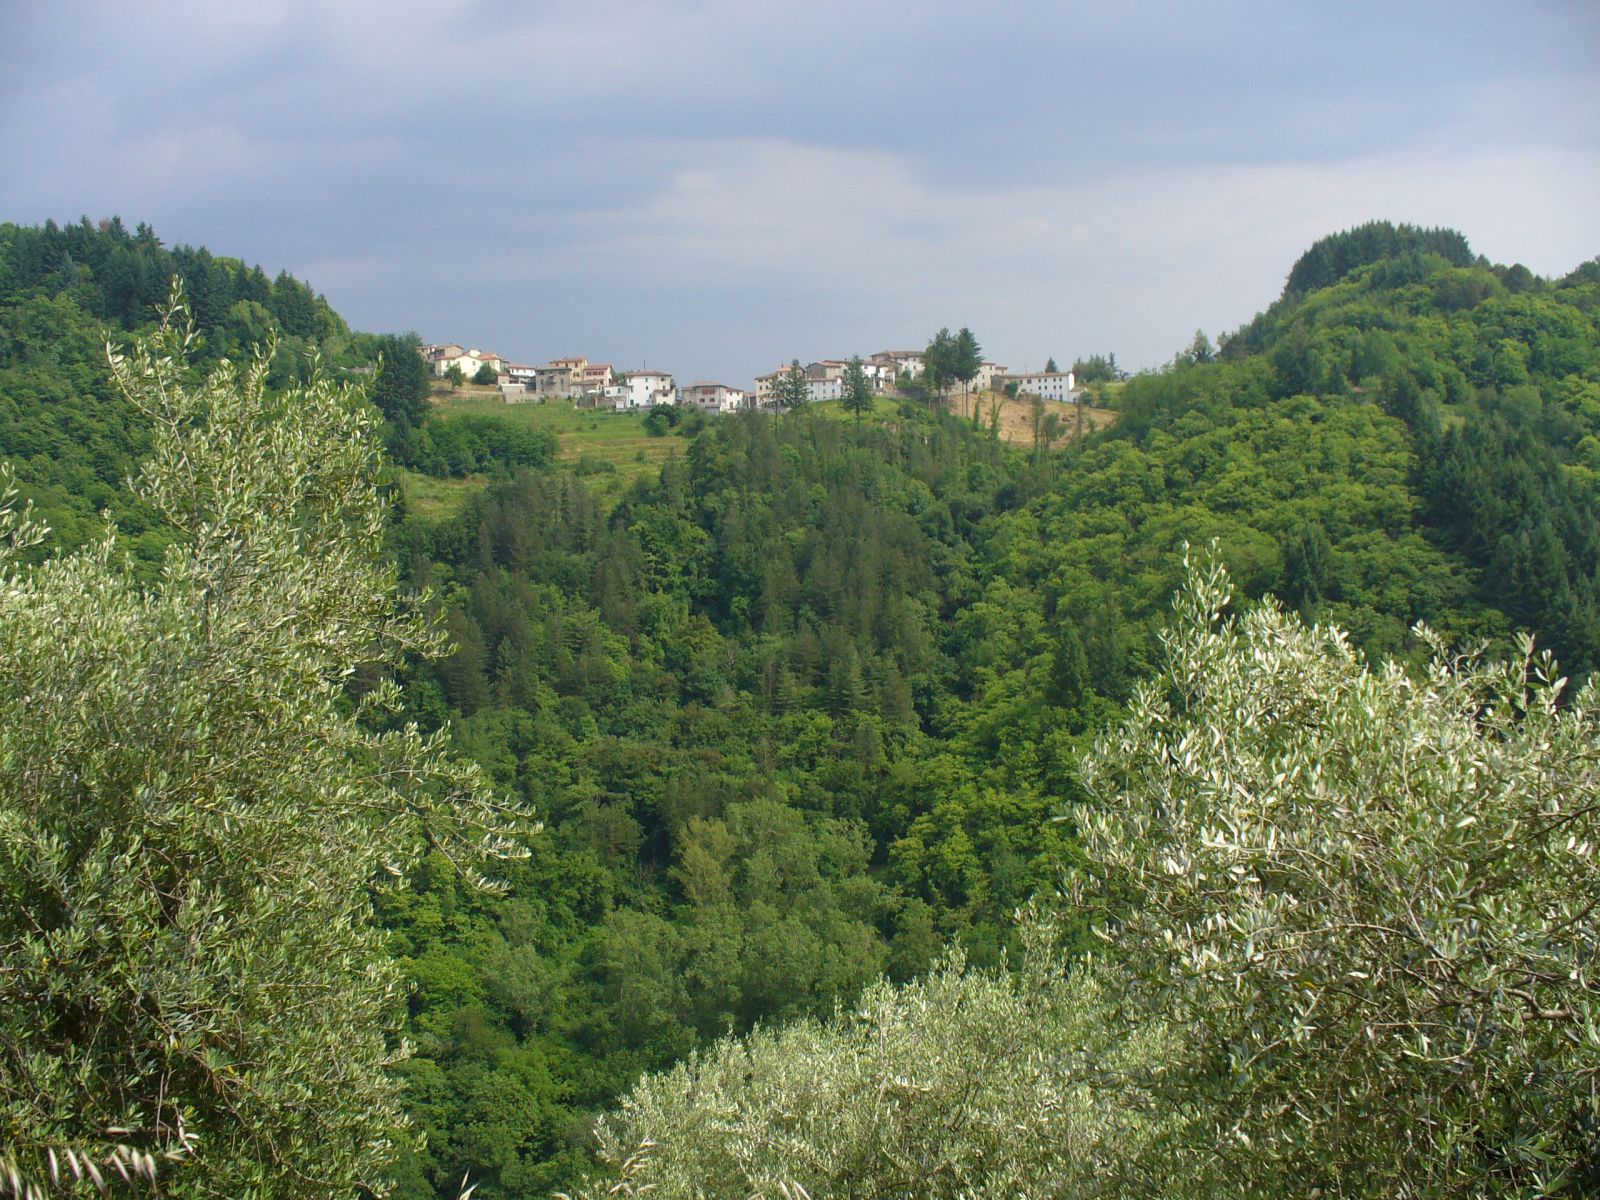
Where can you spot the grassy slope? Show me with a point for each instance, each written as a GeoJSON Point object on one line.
{"type": "Point", "coordinates": [613, 446]}
{"type": "Point", "coordinates": [612, 449]}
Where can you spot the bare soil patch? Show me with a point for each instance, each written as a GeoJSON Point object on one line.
{"type": "Point", "coordinates": [1018, 417]}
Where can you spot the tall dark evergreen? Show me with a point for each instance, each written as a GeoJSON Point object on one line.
{"type": "Point", "coordinates": [966, 357]}
{"type": "Point", "coordinates": [790, 389]}
{"type": "Point", "coordinates": [1332, 258]}
{"type": "Point", "coordinates": [857, 387]}
{"type": "Point", "coordinates": [400, 385]}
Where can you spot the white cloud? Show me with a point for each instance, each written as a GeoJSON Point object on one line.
{"type": "Point", "coordinates": [1131, 263]}
{"type": "Point", "coordinates": [737, 179]}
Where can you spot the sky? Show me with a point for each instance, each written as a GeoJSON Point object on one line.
{"type": "Point", "coordinates": [714, 188]}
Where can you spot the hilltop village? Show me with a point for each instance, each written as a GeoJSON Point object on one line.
{"type": "Point", "coordinates": [600, 386]}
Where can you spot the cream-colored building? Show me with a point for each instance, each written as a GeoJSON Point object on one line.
{"type": "Point", "coordinates": [988, 372]}
{"type": "Point", "coordinates": [441, 358]}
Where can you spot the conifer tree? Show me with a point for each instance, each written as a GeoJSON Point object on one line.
{"type": "Point", "coordinates": [857, 388]}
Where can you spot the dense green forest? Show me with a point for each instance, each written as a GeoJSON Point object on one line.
{"type": "Point", "coordinates": [797, 713]}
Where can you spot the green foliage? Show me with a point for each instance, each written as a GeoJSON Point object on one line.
{"type": "Point", "coordinates": [731, 698]}
{"type": "Point", "coordinates": [1097, 368]}
{"type": "Point", "coordinates": [916, 630]}
{"type": "Point", "coordinates": [70, 437]}
{"type": "Point", "coordinates": [790, 391]}
{"type": "Point", "coordinates": [1200, 351]}
{"type": "Point", "coordinates": [798, 696]}
{"type": "Point", "coordinates": [1495, 389]}
{"type": "Point", "coordinates": [1336, 256]}
{"type": "Point", "coordinates": [857, 388]}
{"type": "Point", "coordinates": [964, 1084]}
{"type": "Point", "coordinates": [951, 358]}
{"type": "Point", "coordinates": [1366, 902]}
{"type": "Point", "coordinates": [122, 279]}
{"type": "Point", "coordinates": [662, 418]}
{"type": "Point", "coordinates": [1349, 916]}
{"type": "Point", "coordinates": [485, 374]}
{"type": "Point", "coordinates": [400, 387]}
{"type": "Point", "coordinates": [968, 357]}
{"type": "Point", "coordinates": [473, 443]}
{"type": "Point", "coordinates": [195, 812]}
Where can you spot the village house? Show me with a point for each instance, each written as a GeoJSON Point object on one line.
{"type": "Point", "coordinates": [433, 355]}
{"type": "Point", "coordinates": [553, 381]}
{"type": "Point", "coordinates": [825, 377]}
{"type": "Point", "coordinates": [713, 397]}
{"type": "Point", "coordinates": [591, 384]}
{"type": "Point", "coordinates": [518, 383]}
{"type": "Point", "coordinates": [1048, 385]}
{"type": "Point", "coordinates": [561, 377]}
{"type": "Point", "coordinates": [646, 389]}
{"type": "Point", "coordinates": [818, 390]}
{"type": "Point", "coordinates": [988, 372]}
{"type": "Point", "coordinates": [766, 393]}
{"type": "Point", "coordinates": [901, 362]}
{"type": "Point", "coordinates": [882, 376]}
{"type": "Point", "coordinates": [441, 358]}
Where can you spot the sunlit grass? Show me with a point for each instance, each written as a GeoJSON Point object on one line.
{"type": "Point", "coordinates": [435, 499]}
{"type": "Point", "coordinates": [609, 449]}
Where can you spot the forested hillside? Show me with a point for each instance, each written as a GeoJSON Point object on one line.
{"type": "Point", "coordinates": [73, 441]}
{"type": "Point", "coordinates": [797, 712]}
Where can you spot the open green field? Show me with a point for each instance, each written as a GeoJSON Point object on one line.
{"type": "Point", "coordinates": [610, 449]}
{"type": "Point", "coordinates": [435, 499]}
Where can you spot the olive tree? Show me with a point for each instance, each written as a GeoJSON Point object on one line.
{"type": "Point", "coordinates": [1365, 900]}
{"type": "Point", "coordinates": [964, 1083]}
{"type": "Point", "coordinates": [194, 810]}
